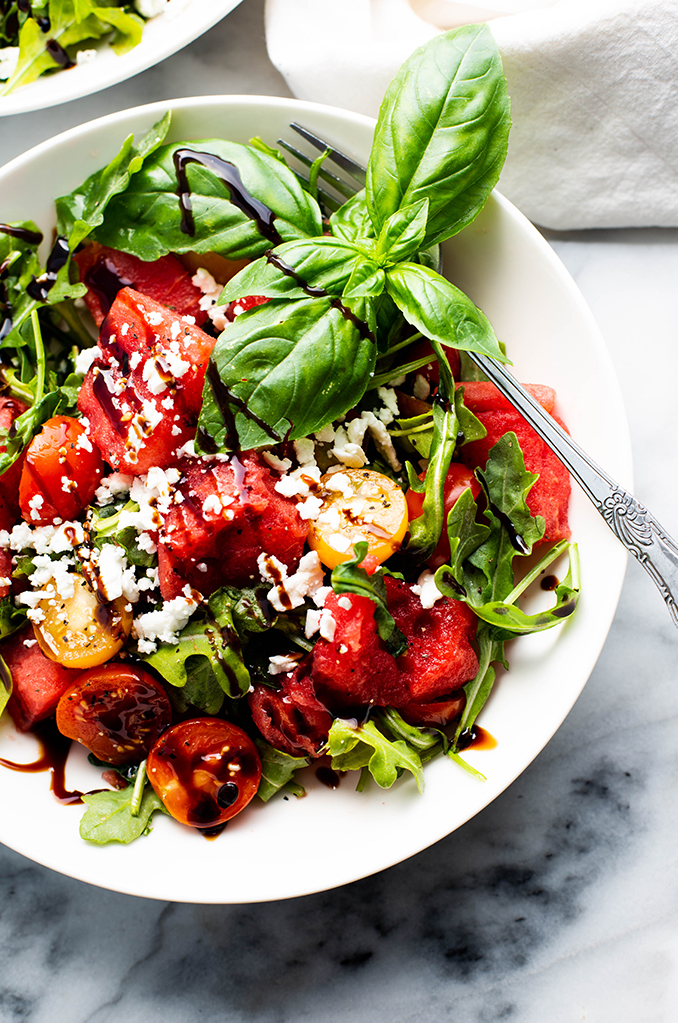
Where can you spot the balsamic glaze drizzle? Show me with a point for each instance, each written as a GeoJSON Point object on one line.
{"type": "Point", "coordinates": [227, 172]}
{"type": "Point", "coordinates": [225, 398]}
{"type": "Point", "coordinates": [40, 287]}
{"type": "Point", "coordinates": [317, 292]}
{"type": "Point", "coordinates": [22, 234]}
{"type": "Point", "coordinates": [57, 53]}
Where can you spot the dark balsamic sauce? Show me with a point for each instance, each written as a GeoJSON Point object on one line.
{"type": "Point", "coordinates": [54, 748]}
{"type": "Point", "coordinates": [516, 539]}
{"type": "Point", "coordinates": [313, 292]}
{"type": "Point", "coordinates": [104, 280]}
{"type": "Point", "coordinates": [327, 777]}
{"type": "Point", "coordinates": [476, 738]}
{"type": "Point", "coordinates": [40, 287]}
{"type": "Point", "coordinates": [227, 172]}
{"type": "Point", "coordinates": [105, 399]}
{"type": "Point", "coordinates": [225, 398]}
{"type": "Point", "coordinates": [22, 234]}
{"type": "Point", "coordinates": [57, 53]}
{"type": "Point", "coordinates": [549, 582]}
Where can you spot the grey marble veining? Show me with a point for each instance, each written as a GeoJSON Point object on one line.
{"type": "Point", "coordinates": [558, 903]}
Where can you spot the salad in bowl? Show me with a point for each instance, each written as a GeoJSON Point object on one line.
{"type": "Point", "coordinates": [263, 526]}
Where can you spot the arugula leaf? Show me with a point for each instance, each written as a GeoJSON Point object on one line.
{"type": "Point", "coordinates": [441, 311]}
{"type": "Point", "coordinates": [347, 577]}
{"type": "Point", "coordinates": [12, 618]}
{"type": "Point", "coordinates": [128, 27]}
{"type": "Point", "coordinates": [277, 769]}
{"type": "Point", "coordinates": [353, 746]}
{"type": "Point", "coordinates": [442, 132]}
{"type": "Point", "coordinates": [203, 655]}
{"type": "Point", "coordinates": [146, 221]}
{"type": "Point", "coordinates": [426, 529]}
{"type": "Point", "coordinates": [291, 366]}
{"type": "Point", "coordinates": [83, 210]}
{"type": "Point", "coordinates": [291, 270]}
{"type": "Point", "coordinates": [109, 817]}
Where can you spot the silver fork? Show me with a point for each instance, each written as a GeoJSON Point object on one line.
{"type": "Point", "coordinates": [636, 528]}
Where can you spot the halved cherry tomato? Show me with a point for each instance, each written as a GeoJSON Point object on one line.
{"type": "Point", "coordinates": [61, 471]}
{"type": "Point", "coordinates": [82, 631]}
{"type": "Point", "coordinates": [458, 479]}
{"type": "Point", "coordinates": [205, 770]}
{"type": "Point", "coordinates": [116, 711]}
{"type": "Point", "coordinates": [358, 505]}
{"type": "Point", "coordinates": [437, 712]}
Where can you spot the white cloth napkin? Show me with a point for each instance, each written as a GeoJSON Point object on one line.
{"type": "Point", "coordinates": [593, 83]}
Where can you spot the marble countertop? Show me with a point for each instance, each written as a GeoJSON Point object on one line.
{"type": "Point", "coordinates": [558, 903]}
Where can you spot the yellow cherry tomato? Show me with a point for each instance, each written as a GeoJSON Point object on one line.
{"type": "Point", "coordinates": [82, 631]}
{"type": "Point", "coordinates": [358, 505]}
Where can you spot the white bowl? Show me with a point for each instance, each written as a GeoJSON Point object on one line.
{"type": "Point", "coordinates": [293, 847]}
{"type": "Point", "coordinates": [163, 36]}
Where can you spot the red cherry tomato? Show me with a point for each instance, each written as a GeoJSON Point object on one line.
{"type": "Point", "coordinates": [205, 771]}
{"type": "Point", "coordinates": [116, 711]}
{"type": "Point", "coordinates": [61, 471]}
{"type": "Point", "coordinates": [458, 479]}
{"type": "Point", "coordinates": [437, 712]}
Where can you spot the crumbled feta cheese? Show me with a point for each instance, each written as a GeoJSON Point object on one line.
{"type": "Point", "coordinates": [339, 542]}
{"type": "Point", "coordinates": [345, 603]}
{"type": "Point", "coordinates": [390, 410]}
{"type": "Point", "coordinates": [425, 588]}
{"type": "Point", "coordinates": [35, 503]}
{"type": "Point", "coordinates": [9, 58]}
{"type": "Point", "coordinates": [164, 625]}
{"type": "Point", "coordinates": [112, 486]}
{"type": "Point", "coordinates": [117, 578]}
{"type": "Point", "coordinates": [421, 388]}
{"type": "Point", "coordinates": [136, 357]}
{"type": "Point", "coordinates": [290, 591]}
{"type": "Point", "coordinates": [279, 464]}
{"type": "Point", "coordinates": [326, 435]}
{"type": "Point", "coordinates": [382, 439]}
{"type": "Point", "coordinates": [320, 621]}
{"type": "Point", "coordinates": [310, 508]}
{"type": "Point", "coordinates": [86, 56]}
{"type": "Point", "coordinates": [85, 358]}
{"type": "Point", "coordinates": [280, 664]}
{"type": "Point", "coordinates": [349, 451]}
{"type": "Point", "coordinates": [152, 378]}
{"type": "Point", "coordinates": [304, 449]}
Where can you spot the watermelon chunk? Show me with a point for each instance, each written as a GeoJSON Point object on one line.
{"type": "Point", "coordinates": [550, 494]}
{"type": "Point", "coordinates": [107, 271]}
{"type": "Point", "coordinates": [38, 681]}
{"type": "Point", "coordinates": [228, 513]}
{"type": "Point", "coordinates": [143, 397]}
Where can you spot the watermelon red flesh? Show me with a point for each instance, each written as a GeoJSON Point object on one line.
{"type": "Point", "coordinates": [38, 681]}
{"type": "Point", "coordinates": [10, 408]}
{"type": "Point", "coordinates": [5, 572]}
{"type": "Point", "coordinates": [229, 515]}
{"type": "Point", "coordinates": [550, 495]}
{"type": "Point", "coordinates": [439, 657]}
{"type": "Point", "coordinates": [292, 720]}
{"type": "Point", "coordinates": [355, 669]}
{"type": "Point", "coordinates": [106, 271]}
{"type": "Point", "coordinates": [134, 427]}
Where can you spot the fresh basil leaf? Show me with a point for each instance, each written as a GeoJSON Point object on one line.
{"type": "Point", "coordinates": [442, 132]}
{"type": "Point", "coordinates": [367, 280]}
{"type": "Point", "coordinates": [108, 817]}
{"type": "Point", "coordinates": [147, 220]}
{"type": "Point", "coordinates": [352, 220]}
{"type": "Point", "coordinates": [403, 233]}
{"type": "Point", "coordinates": [286, 369]}
{"type": "Point", "coordinates": [295, 268]}
{"type": "Point", "coordinates": [350, 743]}
{"type": "Point", "coordinates": [441, 311]}
{"type": "Point", "coordinates": [277, 769]}
{"type": "Point", "coordinates": [347, 577]}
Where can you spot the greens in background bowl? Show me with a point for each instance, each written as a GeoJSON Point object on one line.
{"type": "Point", "coordinates": [118, 40]}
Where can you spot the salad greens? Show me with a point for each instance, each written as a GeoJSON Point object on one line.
{"type": "Point", "coordinates": [349, 297]}
{"type": "Point", "coordinates": [46, 35]}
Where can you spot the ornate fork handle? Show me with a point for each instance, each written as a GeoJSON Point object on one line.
{"type": "Point", "coordinates": [630, 521]}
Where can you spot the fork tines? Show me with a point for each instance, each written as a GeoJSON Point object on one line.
{"type": "Point", "coordinates": [340, 188]}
